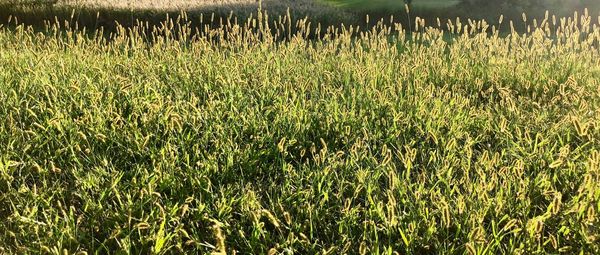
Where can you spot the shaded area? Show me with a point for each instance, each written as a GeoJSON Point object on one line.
{"type": "Point", "coordinates": [489, 10]}
{"type": "Point", "coordinates": [39, 13]}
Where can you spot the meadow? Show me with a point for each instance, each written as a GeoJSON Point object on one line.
{"type": "Point", "coordinates": [277, 136]}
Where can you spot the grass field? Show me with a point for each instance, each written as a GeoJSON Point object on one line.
{"type": "Point", "coordinates": [247, 138]}
{"type": "Point", "coordinates": [192, 5]}
{"type": "Point", "coordinates": [393, 6]}
{"type": "Point", "coordinates": [92, 14]}
{"type": "Point", "coordinates": [390, 5]}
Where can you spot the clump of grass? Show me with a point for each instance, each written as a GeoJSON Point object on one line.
{"type": "Point", "coordinates": [259, 137]}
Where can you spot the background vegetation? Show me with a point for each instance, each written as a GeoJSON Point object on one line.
{"type": "Point", "coordinates": [109, 13]}
{"type": "Point", "coordinates": [250, 138]}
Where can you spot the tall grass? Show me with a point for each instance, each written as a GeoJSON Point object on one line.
{"type": "Point", "coordinates": [249, 138]}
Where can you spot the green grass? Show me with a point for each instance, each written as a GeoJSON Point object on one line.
{"type": "Point", "coordinates": [246, 140]}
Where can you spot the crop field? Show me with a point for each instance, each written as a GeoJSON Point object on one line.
{"type": "Point", "coordinates": [258, 137]}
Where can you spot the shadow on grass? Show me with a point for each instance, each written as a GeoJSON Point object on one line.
{"type": "Point", "coordinates": [92, 18]}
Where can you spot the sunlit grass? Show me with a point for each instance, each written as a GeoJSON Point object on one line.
{"type": "Point", "coordinates": [249, 138]}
